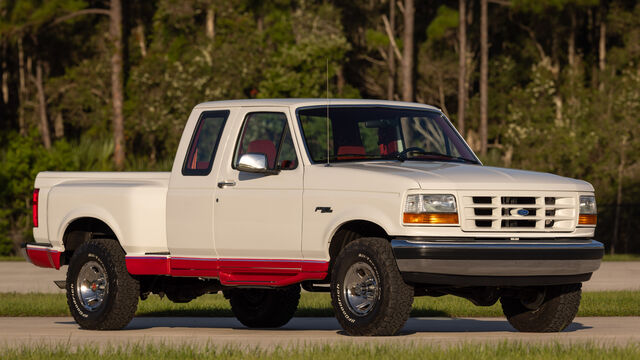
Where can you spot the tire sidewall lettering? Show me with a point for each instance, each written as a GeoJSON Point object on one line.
{"type": "Point", "coordinates": [90, 256]}
{"type": "Point", "coordinates": [360, 256]}
{"type": "Point", "coordinates": [344, 312]}
{"type": "Point", "coordinates": [74, 298]}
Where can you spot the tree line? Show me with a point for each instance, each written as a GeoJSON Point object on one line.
{"type": "Point", "coordinates": [548, 85]}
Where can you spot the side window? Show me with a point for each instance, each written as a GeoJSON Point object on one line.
{"type": "Point", "coordinates": [202, 149]}
{"type": "Point", "coordinates": [267, 133]}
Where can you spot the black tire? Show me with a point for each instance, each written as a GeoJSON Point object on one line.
{"type": "Point", "coordinates": [120, 291]}
{"type": "Point", "coordinates": [558, 309]}
{"type": "Point", "coordinates": [264, 308]}
{"type": "Point", "coordinates": [384, 311]}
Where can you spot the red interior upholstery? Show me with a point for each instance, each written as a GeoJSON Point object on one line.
{"type": "Point", "coordinates": [351, 150]}
{"type": "Point", "coordinates": [348, 152]}
{"type": "Point", "coordinates": [202, 165]}
{"type": "Point", "coordinates": [266, 147]}
{"type": "Point", "coordinates": [390, 148]}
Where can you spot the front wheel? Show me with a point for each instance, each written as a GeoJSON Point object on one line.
{"type": "Point", "coordinates": [368, 294]}
{"type": "Point", "coordinates": [557, 309]}
{"type": "Point", "coordinates": [101, 293]}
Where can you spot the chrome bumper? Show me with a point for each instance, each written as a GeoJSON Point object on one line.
{"type": "Point", "coordinates": [499, 258]}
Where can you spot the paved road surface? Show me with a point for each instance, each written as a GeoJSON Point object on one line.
{"type": "Point", "coordinates": [218, 331]}
{"type": "Point", "coordinates": [23, 277]}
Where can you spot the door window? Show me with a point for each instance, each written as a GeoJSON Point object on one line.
{"type": "Point", "coordinates": [267, 133]}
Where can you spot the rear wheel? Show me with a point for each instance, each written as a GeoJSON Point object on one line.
{"type": "Point", "coordinates": [367, 292]}
{"type": "Point", "coordinates": [555, 310]}
{"type": "Point", "coordinates": [264, 308]}
{"type": "Point", "coordinates": [101, 293]}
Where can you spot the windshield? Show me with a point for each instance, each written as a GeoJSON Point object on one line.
{"type": "Point", "coordinates": [373, 133]}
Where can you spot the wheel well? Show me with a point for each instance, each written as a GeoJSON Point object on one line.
{"type": "Point", "coordinates": [83, 229]}
{"type": "Point", "coordinates": [351, 231]}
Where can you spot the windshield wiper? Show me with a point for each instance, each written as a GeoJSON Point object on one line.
{"type": "Point", "coordinates": [402, 156]}
{"type": "Point", "coordinates": [466, 160]}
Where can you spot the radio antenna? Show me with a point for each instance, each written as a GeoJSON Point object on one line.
{"type": "Point", "coordinates": [328, 162]}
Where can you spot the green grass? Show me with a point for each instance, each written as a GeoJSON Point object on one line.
{"type": "Point", "coordinates": [12, 258]}
{"type": "Point", "coordinates": [621, 257]}
{"type": "Point", "coordinates": [605, 303]}
{"type": "Point", "coordinates": [503, 350]}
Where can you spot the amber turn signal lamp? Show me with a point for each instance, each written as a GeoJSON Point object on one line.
{"type": "Point", "coordinates": [587, 219]}
{"type": "Point", "coordinates": [430, 218]}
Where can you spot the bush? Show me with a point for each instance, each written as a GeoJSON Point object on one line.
{"type": "Point", "coordinates": [22, 159]}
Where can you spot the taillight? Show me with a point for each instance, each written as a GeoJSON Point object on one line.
{"type": "Point", "coordinates": [34, 205]}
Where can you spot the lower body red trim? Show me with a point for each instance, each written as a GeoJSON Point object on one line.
{"type": "Point", "coordinates": [231, 271]}
{"type": "Point", "coordinates": [43, 256]}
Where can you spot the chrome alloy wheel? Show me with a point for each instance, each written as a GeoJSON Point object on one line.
{"type": "Point", "coordinates": [92, 285]}
{"type": "Point", "coordinates": [361, 288]}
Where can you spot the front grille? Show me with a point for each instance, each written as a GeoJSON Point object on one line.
{"type": "Point", "coordinates": [518, 212]}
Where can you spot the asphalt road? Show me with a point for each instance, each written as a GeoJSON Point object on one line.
{"type": "Point", "coordinates": [305, 331]}
{"type": "Point", "coordinates": [23, 277]}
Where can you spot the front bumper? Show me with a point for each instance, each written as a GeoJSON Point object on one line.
{"type": "Point", "coordinates": [497, 262]}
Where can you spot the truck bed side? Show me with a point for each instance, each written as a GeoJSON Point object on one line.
{"type": "Point", "coordinates": [131, 204]}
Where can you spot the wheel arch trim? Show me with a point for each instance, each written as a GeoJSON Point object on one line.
{"type": "Point", "coordinates": [89, 213]}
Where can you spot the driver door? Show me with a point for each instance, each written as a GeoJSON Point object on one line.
{"type": "Point", "coordinates": [259, 216]}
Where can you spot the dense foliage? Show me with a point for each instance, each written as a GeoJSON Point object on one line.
{"type": "Point", "coordinates": [564, 82]}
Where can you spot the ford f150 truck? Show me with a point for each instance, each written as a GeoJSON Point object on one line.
{"type": "Point", "coordinates": [373, 201]}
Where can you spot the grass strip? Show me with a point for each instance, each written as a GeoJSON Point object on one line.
{"type": "Point", "coordinates": [621, 257]}
{"type": "Point", "coordinates": [12, 258]}
{"type": "Point", "coordinates": [504, 350]}
{"type": "Point", "coordinates": [605, 303]}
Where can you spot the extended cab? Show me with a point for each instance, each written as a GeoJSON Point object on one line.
{"type": "Point", "coordinates": [374, 201]}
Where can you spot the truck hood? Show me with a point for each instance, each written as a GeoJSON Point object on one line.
{"type": "Point", "coordinates": [457, 176]}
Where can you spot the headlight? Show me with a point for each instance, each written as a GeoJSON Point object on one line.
{"type": "Point", "coordinates": [588, 210]}
{"type": "Point", "coordinates": [430, 209]}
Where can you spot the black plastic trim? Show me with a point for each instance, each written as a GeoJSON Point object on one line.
{"type": "Point", "coordinates": [467, 280]}
{"type": "Point", "coordinates": [158, 253]}
{"type": "Point", "coordinates": [24, 245]}
{"type": "Point", "coordinates": [505, 239]}
{"type": "Point", "coordinates": [498, 254]}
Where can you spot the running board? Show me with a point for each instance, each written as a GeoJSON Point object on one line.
{"type": "Point", "coordinates": [62, 284]}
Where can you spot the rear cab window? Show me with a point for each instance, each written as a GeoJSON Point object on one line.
{"type": "Point", "coordinates": [204, 143]}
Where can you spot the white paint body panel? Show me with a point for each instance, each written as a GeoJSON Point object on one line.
{"type": "Point", "coordinates": [272, 217]}
{"type": "Point", "coordinates": [260, 217]}
{"type": "Point", "coordinates": [132, 204]}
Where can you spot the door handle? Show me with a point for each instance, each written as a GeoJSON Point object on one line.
{"type": "Point", "coordinates": [224, 184]}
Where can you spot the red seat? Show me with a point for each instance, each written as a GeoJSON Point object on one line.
{"type": "Point", "coordinates": [351, 152]}
{"type": "Point", "coordinates": [390, 148]}
{"type": "Point", "coordinates": [202, 165]}
{"type": "Point", "coordinates": [266, 147]}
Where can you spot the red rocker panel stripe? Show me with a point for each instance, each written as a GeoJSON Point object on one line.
{"type": "Point", "coordinates": [43, 257]}
{"type": "Point", "coordinates": [274, 272]}
{"type": "Point", "coordinates": [148, 265]}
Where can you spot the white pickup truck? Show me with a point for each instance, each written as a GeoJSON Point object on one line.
{"type": "Point", "coordinates": [373, 201]}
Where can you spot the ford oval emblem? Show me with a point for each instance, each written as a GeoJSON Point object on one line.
{"type": "Point", "coordinates": [523, 212]}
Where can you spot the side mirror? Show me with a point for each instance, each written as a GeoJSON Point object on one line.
{"type": "Point", "coordinates": [255, 163]}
